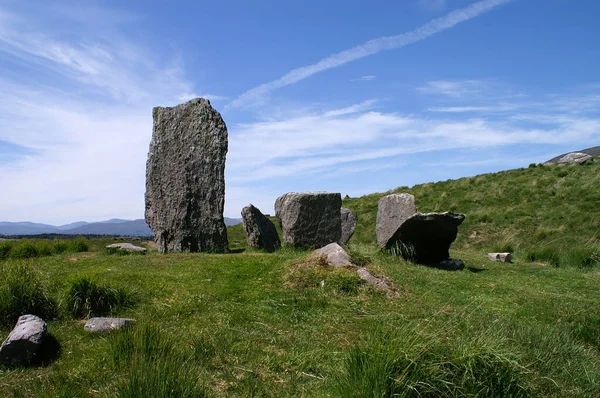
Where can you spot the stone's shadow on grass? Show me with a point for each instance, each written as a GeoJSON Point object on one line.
{"type": "Point", "coordinates": [236, 251]}
{"type": "Point", "coordinates": [49, 352]}
{"type": "Point", "coordinates": [476, 270]}
{"type": "Point", "coordinates": [449, 265]}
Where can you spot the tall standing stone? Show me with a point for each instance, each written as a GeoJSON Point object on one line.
{"type": "Point", "coordinates": [185, 178]}
{"type": "Point", "coordinates": [309, 220]}
{"type": "Point", "coordinates": [349, 220]}
{"type": "Point", "coordinates": [260, 231]}
{"type": "Point", "coordinates": [392, 211]}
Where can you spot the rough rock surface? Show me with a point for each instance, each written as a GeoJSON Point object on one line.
{"type": "Point", "coordinates": [309, 219]}
{"type": "Point", "coordinates": [575, 157]}
{"type": "Point", "coordinates": [370, 279]}
{"type": "Point", "coordinates": [335, 255]}
{"type": "Point", "coordinates": [24, 341]}
{"type": "Point", "coordinates": [349, 220]}
{"type": "Point", "coordinates": [260, 231]}
{"type": "Point", "coordinates": [392, 211]}
{"type": "Point", "coordinates": [127, 246]}
{"type": "Point", "coordinates": [502, 257]}
{"type": "Point", "coordinates": [102, 325]}
{"type": "Point", "coordinates": [428, 235]}
{"type": "Point", "coordinates": [185, 178]}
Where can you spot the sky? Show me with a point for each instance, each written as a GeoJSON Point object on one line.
{"type": "Point", "coordinates": [345, 96]}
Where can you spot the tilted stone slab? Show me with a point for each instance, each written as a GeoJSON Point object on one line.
{"type": "Point", "coordinates": [24, 341]}
{"type": "Point", "coordinates": [103, 325]}
{"type": "Point", "coordinates": [427, 236]}
{"type": "Point", "coordinates": [260, 231]}
{"type": "Point", "coordinates": [309, 220]}
{"type": "Point", "coordinates": [392, 211]}
{"type": "Point", "coordinates": [575, 157]}
{"type": "Point", "coordinates": [127, 247]}
{"type": "Point", "coordinates": [349, 220]}
{"type": "Point", "coordinates": [185, 178]}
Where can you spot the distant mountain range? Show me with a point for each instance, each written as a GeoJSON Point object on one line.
{"type": "Point", "coordinates": [114, 226]}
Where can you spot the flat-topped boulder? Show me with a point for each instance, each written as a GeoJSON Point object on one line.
{"type": "Point", "coordinates": [260, 231]}
{"type": "Point", "coordinates": [127, 247]}
{"type": "Point", "coordinates": [309, 220]}
{"type": "Point", "coordinates": [392, 211]}
{"type": "Point", "coordinates": [24, 341]}
{"type": "Point", "coordinates": [185, 178]}
{"type": "Point", "coordinates": [426, 237]}
{"type": "Point", "coordinates": [103, 325]}
{"type": "Point", "coordinates": [349, 220]}
{"type": "Point", "coordinates": [575, 157]}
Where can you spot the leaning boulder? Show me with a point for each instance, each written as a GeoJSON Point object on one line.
{"type": "Point", "coordinates": [392, 211]}
{"type": "Point", "coordinates": [335, 255]}
{"type": "Point", "coordinates": [102, 325]}
{"type": "Point", "coordinates": [309, 219]}
{"type": "Point", "coordinates": [426, 237]}
{"type": "Point", "coordinates": [127, 247]}
{"type": "Point", "coordinates": [185, 178]}
{"type": "Point", "coordinates": [24, 341]}
{"type": "Point", "coordinates": [260, 231]}
{"type": "Point", "coordinates": [349, 220]}
{"type": "Point", "coordinates": [575, 157]}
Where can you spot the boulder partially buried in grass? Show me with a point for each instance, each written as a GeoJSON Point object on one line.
{"type": "Point", "coordinates": [103, 325]}
{"type": "Point", "coordinates": [24, 341]}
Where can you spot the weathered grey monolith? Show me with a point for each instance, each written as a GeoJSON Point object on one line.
{"type": "Point", "coordinates": [24, 341]}
{"type": "Point", "coordinates": [309, 220]}
{"type": "Point", "coordinates": [392, 211]}
{"type": "Point", "coordinates": [426, 237]}
{"type": "Point", "coordinates": [185, 178]}
{"type": "Point", "coordinates": [260, 231]}
{"type": "Point", "coordinates": [349, 219]}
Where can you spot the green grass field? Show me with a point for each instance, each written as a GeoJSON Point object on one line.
{"type": "Point", "coordinates": [255, 324]}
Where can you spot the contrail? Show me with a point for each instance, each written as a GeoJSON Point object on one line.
{"type": "Point", "coordinates": [371, 47]}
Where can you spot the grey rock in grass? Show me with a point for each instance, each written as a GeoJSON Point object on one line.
{"type": "Point", "coordinates": [24, 341]}
{"type": "Point", "coordinates": [372, 280]}
{"type": "Point", "coordinates": [392, 211]}
{"type": "Point", "coordinates": [452, 265]}
{"type": "Point", "coordinates": [185, 178]}
{"type": "Point", "coordinates": [349, 220]}
{"type": "Point", "coordinates": [309, 220]}
{"type": "Point", "coordinates": [127, 247]}
{"type": "Point", "coordinates": [102, 325]}
{"type": "Point", "coordinates": [426, 237]}
{"type": "Point", "coordinates": [575, 157]}
{"type": "Point", "coordinates": [335, 255]}
{"type": "Point", "coordinates": [502, 257]}
{"type": "Point", "coordinates": [260, 231]}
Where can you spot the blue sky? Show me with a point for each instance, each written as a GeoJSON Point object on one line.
{"type": "Point", "coordinates": [344, 96]}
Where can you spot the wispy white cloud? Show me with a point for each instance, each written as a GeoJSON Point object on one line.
{"type": "Point", "coordinates": [366, 78]}
{"type": "Point", "coordinates": [369, 48]}
{"type": "Point", "coordinates": [211, 97]}
{"type": "Point", "coordinates": [454, 88]}
{"type": "Point", "coordinates": [473, 109]}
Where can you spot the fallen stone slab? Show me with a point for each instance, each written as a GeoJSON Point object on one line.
{"type": "Point", "coordinates": [392, 211]}
{"type": "Point", "coordinates": [426, 237]}
{"type": "Point", "coordinates": [349, 220]}
{"type": "Point", "coordinates": [260, 231]}
{"type": "Point", "coordinates": [24, 341]}
{"type": "Point", "coordinates": [102, 325]}
{"type": "Point", "coordinates": [575, 157]}
{"type": "Point", "coordinates": [127, 247]}
{"type": "Point", "coordinates": [309, 220]}
{"type": "Point", "coordinates": [502, 257]}
{"type": "Point", "coordinates": [370, 279]}
{"type": "Point", "coordinates": [335, 255]}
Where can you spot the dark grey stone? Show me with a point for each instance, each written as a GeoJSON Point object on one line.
{"type": "Point", "coordinates": [24, 341]}
{"type": "Point", "coordinates": [392, 211]}
{"type": "Point", "coordinates": [185, 178]}
{"type": "Point", "coordinates": [349, 220]}
{"type": "Point", "coordinates": [426, 237]}
{"type": "Point", "coordinates": [102, 325]}
{"type": "Point", "coordinates": [309, 219]}
{"type": "Point", "coordinates": [260, 231]}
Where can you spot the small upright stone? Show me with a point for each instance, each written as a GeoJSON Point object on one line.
{"type": "Point", "coordinates": [185, 178]}
{"type": "Point", "coordinates": [309, 220]}
{"type": "Point", "coordinates": [349, 220]}
{"type": "Point", "coordinates": [335, 255]}
{"type": "Point", "coordinates": [260, 231]}
{"type": "Point", "coordinates": [24, 341]}
{"type": "Point", "coordinates": [392, 211]}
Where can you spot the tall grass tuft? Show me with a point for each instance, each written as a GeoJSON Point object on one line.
{"type": "Point", "coordinates": [77, 245]}
{"type": "Point", "coordinates": [86, 298]}
{"type": "Point", "coordinates": [22, 292]}
{"type": "Point", "coordinates": [153, 365]}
